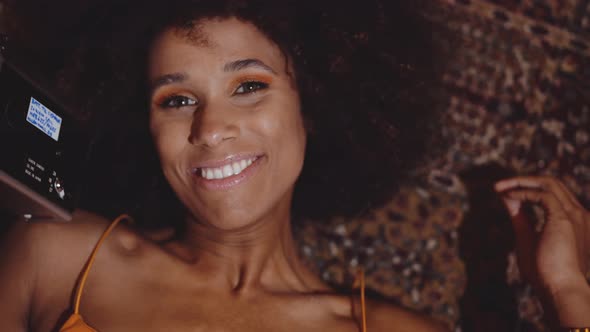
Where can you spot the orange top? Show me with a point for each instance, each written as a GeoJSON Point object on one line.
{"type": "Point", "coordinates": [75, 322]}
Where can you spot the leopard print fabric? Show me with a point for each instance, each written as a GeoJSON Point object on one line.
{"type": "Point", "coordinates": [407, 248]}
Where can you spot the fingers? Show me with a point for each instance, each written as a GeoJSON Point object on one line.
{"type": "Point", "coordinates": [546, 184]}
{"type": "Point", "coordinates": [513, 206]}
{"type": "Point", "coordinates": [561, 243]}
{"type": "Point", "coordinates": [547, 199]}
{"type": "Point", "coordinates": [562, 208]}
{"type": "Point", "coordinates": [569, 195]}
{"type": "Point", "coordinates": [522, 181]}
{"type": "Point", "coordinates": [525, 236]}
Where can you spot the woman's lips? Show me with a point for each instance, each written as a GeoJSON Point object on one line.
{"type": "Point", "coordinates": [228, 175]}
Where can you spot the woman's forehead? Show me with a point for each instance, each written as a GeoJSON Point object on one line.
{"type": "Point", "coordinates": [215, 32]}
{"type": "Point", "coordinates": [226, 39]}
{"type": "Point", "coordinates": [193, 32]}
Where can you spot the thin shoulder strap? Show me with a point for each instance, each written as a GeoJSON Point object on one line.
{"type": "Point", "coordinates": [360, 282]}
{"type": "Point", "coordinates": [90, 261]}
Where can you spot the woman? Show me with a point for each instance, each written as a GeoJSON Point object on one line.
{"type": "Point", "coordinates": [237, 95]}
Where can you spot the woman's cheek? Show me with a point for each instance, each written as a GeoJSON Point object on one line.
{"type": "Point", "coordinates": [285, 118]}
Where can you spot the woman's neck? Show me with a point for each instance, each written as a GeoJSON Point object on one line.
{"type": "Point", "coordinates": [260, 256]}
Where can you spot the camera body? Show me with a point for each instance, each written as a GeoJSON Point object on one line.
{"type": "Point", "coordinates": [42, 150]}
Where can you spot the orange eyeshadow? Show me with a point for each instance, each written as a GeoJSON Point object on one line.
{"type": "Point", "coordinates": [253, 77]}
{"type": "Point", "coordinates": [166, 93]}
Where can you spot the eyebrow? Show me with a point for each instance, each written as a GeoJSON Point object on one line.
{"type": "Point", "coordinates": [232, 66]}
{"type": "Point", "coordinates": [247, 63]}
{"type": "Point", "coordinates": [168, 79]}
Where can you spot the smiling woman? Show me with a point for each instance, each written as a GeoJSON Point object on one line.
{"type": "Point", "coordinates": [251, 114]}
{"type": "Point", "coordinates": [366, 88]}
{"type": "Point", "coordinates": [236, 105]}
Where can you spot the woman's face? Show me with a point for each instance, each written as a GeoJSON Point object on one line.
{"type": "Point", "coordinates": [225, 118]}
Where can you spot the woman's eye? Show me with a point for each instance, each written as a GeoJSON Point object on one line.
{"type": "Point", "coordinates": [178, 102]}
{"type": "Point", "coordinates": [250, 86]}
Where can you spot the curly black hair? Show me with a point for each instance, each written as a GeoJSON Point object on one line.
{"type": "Point", "coordinates": [367, 74]}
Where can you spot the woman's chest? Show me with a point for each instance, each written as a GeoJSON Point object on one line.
{"type": "Point", "coordinates": [125, 303]}
{"type": "Point", "coordinates": [170, 311]}
{"type": "Point", "coordinates": [153, 293]}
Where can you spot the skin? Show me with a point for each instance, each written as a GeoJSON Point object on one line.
{"type": "Point", "coordinates": [236, 268]}
{"type": "Point", "coordinates": [555, 259]}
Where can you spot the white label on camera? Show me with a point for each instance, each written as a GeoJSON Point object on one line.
{"type": "Point", "coordinates": [44, 119]}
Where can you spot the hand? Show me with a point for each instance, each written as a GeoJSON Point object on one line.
{"type": "Point", "coordinates": [554, 259]}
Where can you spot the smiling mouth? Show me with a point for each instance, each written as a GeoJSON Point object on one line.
{"type": "Point", "coordinates": [225, 171]}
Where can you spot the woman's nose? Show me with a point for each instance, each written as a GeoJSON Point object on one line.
{"type": "Point", "coordinates": [212, 125]}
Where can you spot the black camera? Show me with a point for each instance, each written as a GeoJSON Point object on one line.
{"type": "Point", "coordinates": [43, 150]}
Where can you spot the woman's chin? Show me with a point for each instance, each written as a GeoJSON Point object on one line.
{"type": "Point", "coordinates": [229, 221]}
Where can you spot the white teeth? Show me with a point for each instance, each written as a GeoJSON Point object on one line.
{"type": "Point", "coordinates": [236, 168]}
{"type": "Point", "coordinates": [228, 170]}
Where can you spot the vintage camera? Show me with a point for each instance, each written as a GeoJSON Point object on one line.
{"type": "Point", "coordinates": [42, 148]}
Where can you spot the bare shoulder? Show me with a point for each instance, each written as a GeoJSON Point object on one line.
{"type": "Point", "coordinates": [35, 243]}
{"type": "Point", "coordinates": [58, 244]}
{"type": "Point", "coordinates": [65, 247]}
{"type": "Point", "coordinates": [55, 249]}
{"type": "Point", "coordinates": [39, 259]}
{"type": "Point", "coordinates": [386, 317]}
